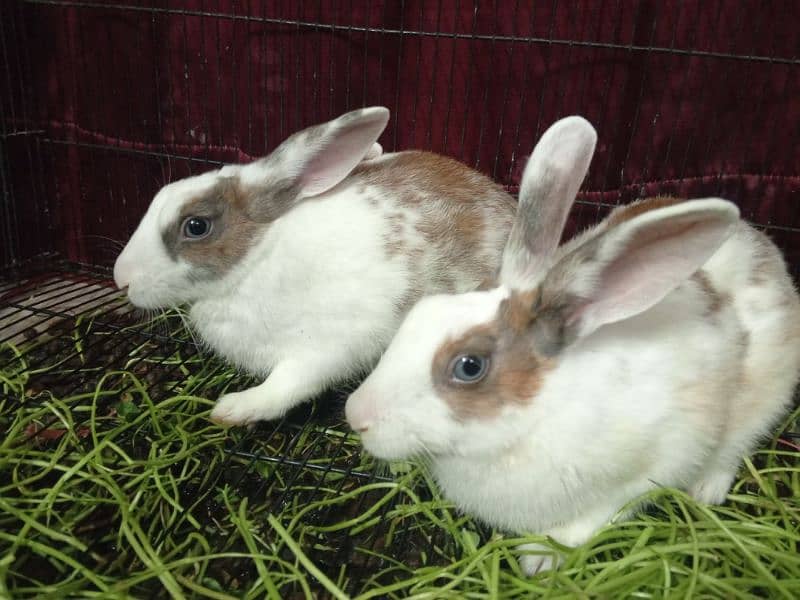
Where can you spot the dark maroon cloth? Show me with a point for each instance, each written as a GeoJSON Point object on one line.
{"type": "Point", "coordinates": [101, 105]}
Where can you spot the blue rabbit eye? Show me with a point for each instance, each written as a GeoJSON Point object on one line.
{"type": "Point", "coordinates": [196, 227]}
{"type": "Point", "coordinates": [469, 368]}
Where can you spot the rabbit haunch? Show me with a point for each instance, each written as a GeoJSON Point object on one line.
{"type": "Point", "coordinates": [654, 349]}
{"type": "Point", "coordinates": [308, 258]}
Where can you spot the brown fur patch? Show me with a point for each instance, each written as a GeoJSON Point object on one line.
{"type": "Point", "coordinates": [394, 240]}
{"type": "Point", "coordinates": [516, 368]}
{"type": "Point", "coordinates": [233, 230]}
{"type": "Point", "coordinates": [455, 205]}
{"type": "Point", "coordinates": [766, 266]}
{"type": "Point", "coordinates": [715, 300]}
{"type": "Point", "coordinates": [629, 211]}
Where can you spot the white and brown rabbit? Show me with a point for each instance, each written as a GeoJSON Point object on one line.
{"type": "Point", "coordinates": [300, 266]}
{"type": "Point", "coordinates": [656, 348]}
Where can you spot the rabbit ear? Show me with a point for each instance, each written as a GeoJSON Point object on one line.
{"type": "Point", "coordinates": [632, 265]}
{"type": "Point", "coordinates": [315, 159]}
{"type": "Point", "coordinates": [550, 182]}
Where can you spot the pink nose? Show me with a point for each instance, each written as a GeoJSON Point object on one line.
{"type": "Point", "coordinates": [360, 412]}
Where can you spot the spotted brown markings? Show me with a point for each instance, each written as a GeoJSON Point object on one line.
{"type": "Point", "coordinates": [413, 293]}
{"type": "Point", "coordinates": [714, 299]}
{"type": "Point", "coordinates": [454, 205]}
{"type": "Point", "coordinates": [394, 240]}
{"type": "Point", "coordinates": [516, 367]}
{"type": "Point", "coordinates": [238, 216]}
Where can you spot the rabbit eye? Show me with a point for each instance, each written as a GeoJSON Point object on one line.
{"type": "Point", "coordinates": [469, 368]}
{"type": "Point", "coordinates": [196, 227]}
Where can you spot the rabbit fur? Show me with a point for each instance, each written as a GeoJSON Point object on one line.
{"type": "Point", "coordinates": [309, 258]}
{"type": "Point", "coordinates": [655, 349]}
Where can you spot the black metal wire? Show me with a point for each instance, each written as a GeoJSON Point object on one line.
{"type": "Point", "coordinates": [506, 88]}
{"type": "Point", "coordinates": [365, 58]}
{"type": "Point", "coordinates": [428, 145]}
{"type": "Point", "coordinates": [348, 70]}
{"type": "Point", "coordinates": [470, 63]}
{"type": "Point", "coordinates": [485, 102]}
{"type": "Point", "coordinates": [9, 226]}
{"type": "Point", "coordinates": [396, 115]}
{"type": "Point", "coordinates": [742, 88]}
{"type": "Point", "coordinates": [684, 82]}
{"type": "Point", "coordinates": [707, 66]}
{"type": "Point", "coordinates": [749, 136]}
{"type": "Point", "coordinates": [417, 73]}
{"type": "Point", "coordinates": [436, 34]}
{"type": "Point", "coordinates": [523, 99]}
{"type": "Point", "coordinates": [616, 125]}
{"type": "Point", "coordinates": [53, 302]}
{"type": "Point", "coordinates": [154, 153]}
{"type": "Point", "coordinates": [11, 230]}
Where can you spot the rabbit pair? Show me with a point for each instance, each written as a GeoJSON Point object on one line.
{"type": "Point", "coordinates": [300, 266]}
{"type": "Point", "coordinates": [656, 348]}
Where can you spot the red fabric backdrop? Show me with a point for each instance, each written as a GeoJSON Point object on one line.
{"type": "Point", "coordinates": [103, 102]}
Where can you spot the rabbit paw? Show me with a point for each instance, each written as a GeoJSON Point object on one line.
{"type": "Point", "coordinates": [243, 408]}
{"type": "Point", "coordinates": [713, 488]}
{"type": "Point", "coordinates": [531, 564]}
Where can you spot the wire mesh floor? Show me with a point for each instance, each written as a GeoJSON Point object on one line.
{"type": "Point", "coordinates": [69, 345]}
{"type": "Point", "coordinates": [127, 489]}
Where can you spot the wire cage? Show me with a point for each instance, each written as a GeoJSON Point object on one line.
{"type": "Point", "coordinates": [101, 103]}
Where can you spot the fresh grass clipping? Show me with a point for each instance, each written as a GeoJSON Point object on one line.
{"type": "Point", "coordinates": [113, 483]}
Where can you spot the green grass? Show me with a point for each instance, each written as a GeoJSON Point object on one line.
{"type": "Point", "coordinates": [137, 494]}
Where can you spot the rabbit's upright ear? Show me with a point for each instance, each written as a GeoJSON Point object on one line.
{"type": "Point", "coordinates": [315, 159]}
{"type": "Point", "coordinates": [550, 182]}
{"type": "Point", "coordinates": [643, 254]}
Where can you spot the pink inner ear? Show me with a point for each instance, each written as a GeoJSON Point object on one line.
{"type": "Point", "coordinates": [337, 157]}
{"type": "Point", "coordinates": [658, 259]}
{"type": "Point", "coordinates": [640, 281]}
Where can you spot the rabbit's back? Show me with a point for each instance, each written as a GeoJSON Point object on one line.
{"type": "Point", "coordinates": [344, 267]}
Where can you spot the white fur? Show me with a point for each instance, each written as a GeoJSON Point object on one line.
{"type": "Point", "coordinates": [668, 396]}
{"type": "Point", "coordinates": [315, 299]}
{"type": "Point", "coordinates": [153, 279]}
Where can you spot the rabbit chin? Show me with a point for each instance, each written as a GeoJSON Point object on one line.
{"type": "Point", "coordinates": [153, 295]}
{"type": "Point", "coordinates": [394, 445]}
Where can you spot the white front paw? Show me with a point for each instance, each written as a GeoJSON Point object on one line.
{"type": "Point", "coordinates": [713, 488]}
{"type": "Point", "coordinates": [545, 559]}
{"type": "Point", "coordinates": [242, 408]}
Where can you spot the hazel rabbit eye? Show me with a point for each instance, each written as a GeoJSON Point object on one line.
{"type": "Point", "coordinates": [196, 227]}
{"type": "Point", "coordinates": [469, 368]}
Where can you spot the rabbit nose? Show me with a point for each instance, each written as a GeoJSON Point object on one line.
{"type": "Point", "coordinates": [122, 274]}
{"type": "Point", "coordinates": [360, 412]}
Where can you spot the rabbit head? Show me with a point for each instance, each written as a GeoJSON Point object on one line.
{"type": "Point", "coordinates": [199, 230]}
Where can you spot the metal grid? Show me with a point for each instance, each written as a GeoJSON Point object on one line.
{"type": "Point", "coordinates": [127, 168]}
{"type": "Point", "coordinates": [120, 168]}
{"type": "Point", "coordinates": [305, 456]}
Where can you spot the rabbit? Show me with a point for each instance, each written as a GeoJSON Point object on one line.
{"type": "Point", "coordinates": [299, 267]}
{"type": "Point", "coordinates": [654, 349]}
